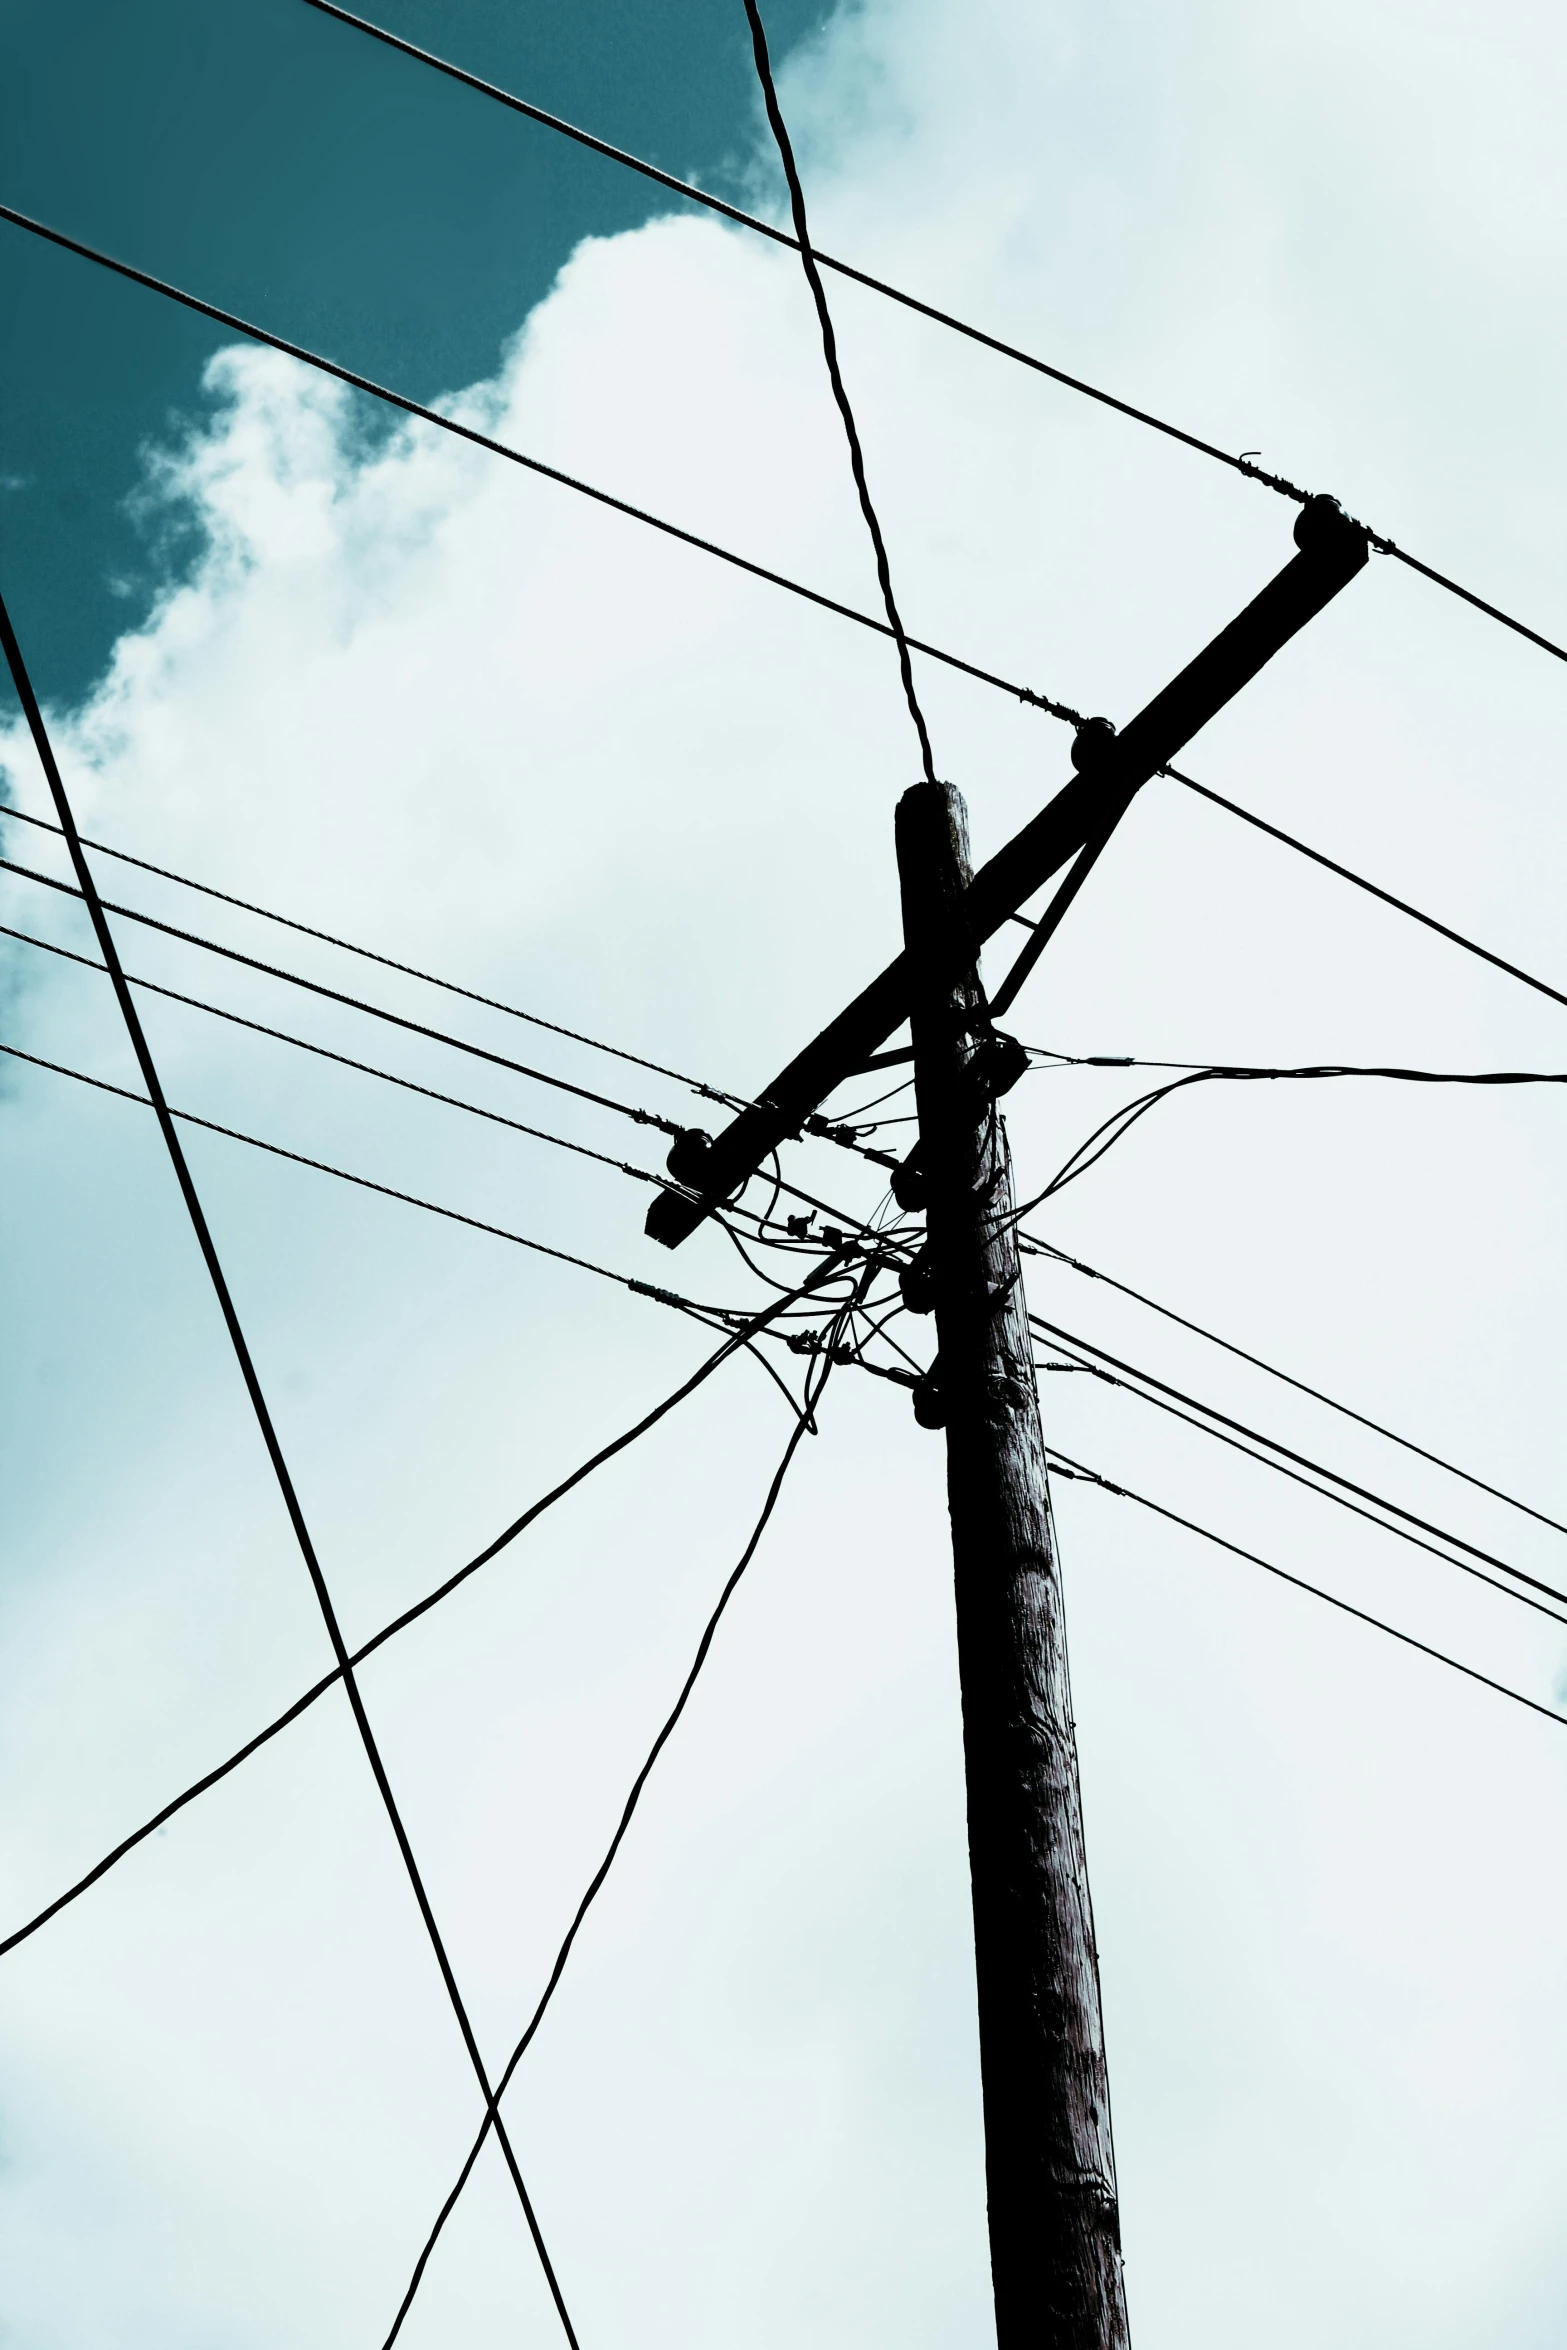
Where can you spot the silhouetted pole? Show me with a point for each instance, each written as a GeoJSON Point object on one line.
{"type": "Point", "coordinates": [1055, 2244]}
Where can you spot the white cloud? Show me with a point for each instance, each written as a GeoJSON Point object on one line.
{"type": "Point", "coordinates": [424, 700]}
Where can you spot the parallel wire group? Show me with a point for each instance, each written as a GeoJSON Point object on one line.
{"type": "Point", "coordinates": [825, 1331]}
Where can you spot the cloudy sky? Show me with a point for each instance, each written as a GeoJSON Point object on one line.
{"type": "Point", "coordinates": [422, 700]}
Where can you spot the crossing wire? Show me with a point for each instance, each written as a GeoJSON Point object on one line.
{"type": "Point", "coordinates": [407, 1199]}
{"type": "Point", "coordinates": [822, 1370]}
{"type": "Point", "coordinates": [483, 440]}
{"type": "Point", "coordinates": [699, 1085]}
{"type": "Point", "coordinates": [813, 276]}
{"type": "Point", "coordinates": [710, 1314]}
{"type": "Point", "coordinates": [1052, 707]}
{"type": "Point", "coordinates": [1062, 1464]}
{"type": "Point", "coordinates": [696, 1085]}
{"type": "Point", "coordinates": [823, 1207]}
{"type": "Point", "coordinates": [1022, 693]}
{"type": "Point", "coordinates": [838, 1133]}
{"type": "Point", "coordinates": [323, 1052]}
{"type": "Point", "coordinates": [353, 1003]}
{"type": "Point", "coordinates": [733, 1343]}
{"type": "Point", "coordinates": [263, 1417]}
{"type": "Point", "coordinates": [944, 318]}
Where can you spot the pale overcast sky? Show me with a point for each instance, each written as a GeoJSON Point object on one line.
{"type": "Point", "coordinates": [411, 695]}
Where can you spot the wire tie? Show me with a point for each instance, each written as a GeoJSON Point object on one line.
{"type": "Point", "coordinates": [665, 1297]}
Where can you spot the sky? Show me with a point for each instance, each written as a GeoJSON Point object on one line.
{"type": "Point", "coordinates": [417, 698]}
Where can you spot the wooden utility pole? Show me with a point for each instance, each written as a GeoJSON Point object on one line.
{"type": "Point", "coordinates": [1055, 2241]}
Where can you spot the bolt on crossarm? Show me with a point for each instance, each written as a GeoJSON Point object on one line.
{"type": "Point", "coordinates": [1055, 2246]}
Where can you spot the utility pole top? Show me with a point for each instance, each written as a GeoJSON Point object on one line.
{"type": "Point", "coordinates": [1111, 769]}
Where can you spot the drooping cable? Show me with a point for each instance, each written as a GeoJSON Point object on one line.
{"type": "Point", "coordinates": [1120, 1122]}
{"type": "Point", "coordinates": [738, 1339]}
{"type": "Point", "coordinates": [805, 1424]}
{"type": "Point", "coordinates": [1061, 1463]}
{"type": "Point", "coordinates": [813, 278]}
{"type": "Point", "coordinates": [483, 440]}
{"type": "Point", "coordinates": [1240, 1072]}
{"type": "Point", "coordinates": [944, 318]}
{"type": "Point", "coordinates": [250, 1379]}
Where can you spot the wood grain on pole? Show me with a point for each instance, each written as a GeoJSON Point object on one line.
{"type": "Point", "coordinates": [1055, 2243]}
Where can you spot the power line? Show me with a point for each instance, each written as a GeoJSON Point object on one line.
{"type": "Point", "coordinates": [1053, 708]}
{"type": "Point", "coordinates": [841, 1135]}
{"type": "Point", "coordinates": [804, 1425]}
{"type": "Point", "coordinates": [344, 1061]}
{"type": "Point", "coordinates": [1231, 1431]}
{"type": "Point", "coordinates": [737, 1339]}
{"type": "Point", "coordinates": [813, 278]}
{"type": "Point", "coordinates": [696, 1085]}
{"type": "Point", "coordinates": [1120, 1122]}
{"type": "Point", "coordinates": [1062, 1463]}
{"type": "Point", "coordinates": [408, 1199]}
{"type": "Point", "coordinates": [353, 1003]}
{"type": "Point", "coordinates": [1043, 1248]}
{"type": "Point", "coordinates": [1265, 1458]}
{"type": "Point", "coordinates": [1371, 888]}
{"type": "Point", "coordinates": [708, 1314]}
{"type": "Point", "coordinates": [482, 440]}
{"type": "Point", "coordinates": [519, 1239]}
{"type": "Point", "coordinates": [777, 236]}
{"type": "Point", "coordinates": [438, 1036]}
{"type": "Point", "coordinates": [268, 1433]}
{"type": "Point", "coordinates": [944, 318]}
{"type": "Point", "coordinates": [1195, 1072]}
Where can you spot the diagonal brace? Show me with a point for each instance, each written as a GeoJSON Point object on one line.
{"type": "Point", "coordinates": [1112, 768]}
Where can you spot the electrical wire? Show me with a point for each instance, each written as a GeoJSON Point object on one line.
{"type": "Point", "coordinates": [1121, 1121]}
{"type": "Point", "coordinates": [708, 1314]}
{"type": "Point", "coordinates": [353, 1003]}
{"type": "Point", "coordinates": [345, 1061]}
{"type": "Point", "coordinates": [777, 236]}
{"type": "Point", "coordinates": [803, 1426]}
{"type": "Point", "coordinates": [1063, 1464]}
{"type": "Point", "coordinates": [813, 278]}
{"type": "Point", "coordinates": [1236, 1433]}
{"type": "Point", "coordinates": [1372, 889]}
{"type": "Point", "coordinates": [944, 318]}
{"type": "Point", "coordinates": [1242, 1070]}
{"type": "Point", "coordinates": [1037, 1247]}
{"type": "Point", "coordinates": [482, 440]}
{"type": "Point", "coordinates": [1266, 1460]}
{"type": "Point", "coordinates": [839, 1135]}
{"type": "Point", "coordinates": [734, 1341]}
{"type": "Point", "coordinates": [268, 1433]}
{"type": "Point", "coordinates": [696, 1085]}
{"type": "Point", "coordinates": [407, 1199]}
